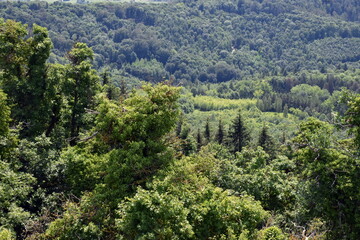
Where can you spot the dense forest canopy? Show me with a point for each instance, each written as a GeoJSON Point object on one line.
{"type": "Point", "coordinates": [209, 41]}
{"type": "Point", "coordinates": [180, 120]}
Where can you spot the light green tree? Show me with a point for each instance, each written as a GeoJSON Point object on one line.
{"type": "Point", "coordinates": [127, 149]}
{"type": "Point", "coordinates": [352, 115]}
{"type": "Point", "coordinates": [322, 164]}
{"type": "Point", "coordinates": [184, 204]}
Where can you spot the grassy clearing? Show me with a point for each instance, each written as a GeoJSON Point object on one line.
{"type": "Point", "coordinates": [208, 103]}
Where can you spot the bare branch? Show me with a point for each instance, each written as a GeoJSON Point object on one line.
{"type": "Point", "coordinates": [88, 138]}
{"type": "Point", "coordinates": [90, 111]}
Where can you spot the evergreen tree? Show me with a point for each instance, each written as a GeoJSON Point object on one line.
{"type": "Point", "coordinates": [283, 137]}
{"type": "Point", "coordinates": [199, 140]}
{"type": "Point", "coordinates": [188, 145]}
{"type": "Point", "coordinates": [185, 132]}
{"type": "Point", "coordinates": [112, 92]}
{"type": "Point", "coordinates": [123, 89]}
{"type": "Point", "coordinates": [266, 141]}
{"type": "Point", "coordinates": [286, 111]}
{"type": "Point", "coordinates": [220, 134]}
{"type": "Point", "coordinates": [239, 135]}
{"type": "Point", "coordinates": [106, 83]}
{"type": "Point", "coordinates": [207, 133]}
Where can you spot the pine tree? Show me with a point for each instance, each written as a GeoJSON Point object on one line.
{"type": "Point", "coordinates": [239, 135]}
{"type": "Point", "coordinates": [207, 133]}
{"type": "Point", "coordinates": [286, 111]}
{"type": "Point", "coordinates": [283, 137]}
{"type": "Point", "coordinates": [199, 140]}
{"type": "Point", "coordinates": [105, 77]}
{"type": "Point", "coordinates": [108, 87]}
{"type": "Point", "coordinates": [220, 134]}
{"type": "Point", "coordinates": [188, 145]}
{"type": "Point", "coordinates": [266, 141]}
{"type": "Point", "coordinates": [123, 89]}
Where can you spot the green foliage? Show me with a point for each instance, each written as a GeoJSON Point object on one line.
{"type": "Point", "coordinates": [352, 116]}
{"type": "Point", "coordinates": [271, 233]}
{"type": "Point", "coordinates": [330, 49]}
{"type": "Point", "coordinates": [5, 234]}
{"type": "Point", "coordinates": [71, 226]}
{"type": "Point", "coordinates": [80, 88]}
{"type": "Point", "coordinates": [126, 151]}
{"type": "Point", "coordinates": [239, 135]}
{"type": "Point", "coordinates": [80, 53]}
{"type": "Point", "coordinates": [207, 103]}
{"type": "Point", "coordinates": [152, 215]}
{"type": "Point", "coordinates": [207, 133]}
{"type": "Point", "coordinates": [136, 130]}
{"type": "Point", "coordinates": [12, 41]}
{"type": "Point", "coordinates": [82, 169]}
{"type": "Point", "coordinates": [199, 140]}
{"type": "Point", "coordinates": [314, 134]}
{"type": "Point", "coordinates": [40, 159]}
{"type": "Point", "coordinates": [15, 188]}
{"type": "Point", "coordinates": [211, 41]}
{"type": "Point", "coordinates": [309, 95]}
{"type": "Point", "coordinates": [188, 144]}
{"type": "Point", "coordinates": [323, 165]}
{"type": "Point", "coordinates": [266, 141]}
{"type": "Point", "coordinates": [271, 182]}
{"type": "Point", "coordinates": [192, 206]}
{"type": "Point", "coordinates": [286, 111]}
{"type": "Point", "coordinates": [144, 117]}
{"type": "Point", "coordinates": [150, 71]}
{"type": "Point", "coordinates": [186, 104]}
{"type": "Point", "coordinates": [220, 135]}
{"type": "Point", "coordinates": [4, 114]}
{"type": "Point", "coordinates": [129, 176]}
{"type": "Point", "coordinates": [23, 62]}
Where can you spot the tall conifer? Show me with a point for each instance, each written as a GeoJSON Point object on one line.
{"type": "Point", "coordinates": [266, 141]}
{"type": "Point", "coordinates": [220, 134]}
{"type": "Point", "coordinates": [239, 135]}
{"type": "Point", "coordinates": [207, 133]}
{"type": "Point", "coordinates": [199, 140]}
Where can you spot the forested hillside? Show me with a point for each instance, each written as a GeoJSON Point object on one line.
{"type": "Point", "coordinates": [180, 120]}
{"type": "Point", "coordinates": [212, 41]}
